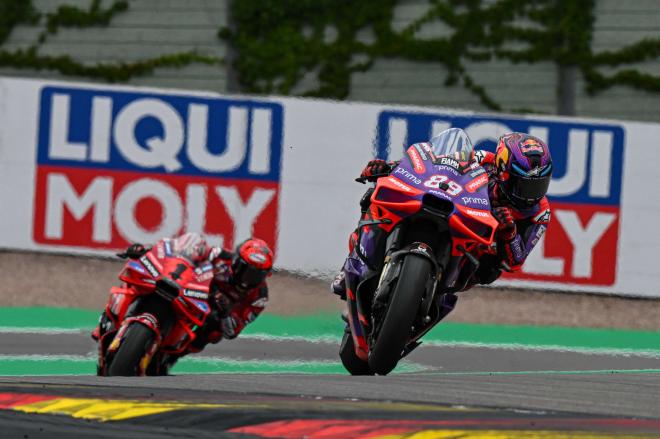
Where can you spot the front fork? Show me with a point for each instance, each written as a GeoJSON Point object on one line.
{"type": "Point", "coordinates": [146, 319]}
{"type": "Point", "coordinates": [432, 309]}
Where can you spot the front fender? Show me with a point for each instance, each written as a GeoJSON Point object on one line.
{"type": "Point", "coordinates": [392, 270]}
{"type": "Point", "coordinates": [146, 319]}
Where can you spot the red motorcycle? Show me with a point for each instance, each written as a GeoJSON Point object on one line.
{"type": "Point", "coordinates": [155, 315]}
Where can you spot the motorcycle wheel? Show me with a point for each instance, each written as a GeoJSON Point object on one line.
{"type": "Point", "coordinates": [137, 340]}
{"type": "Point", "coordinates": [402, 308]}
{"type": "Point", "coordinates": [352, 363]}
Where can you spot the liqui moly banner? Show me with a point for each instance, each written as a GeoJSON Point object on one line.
{"type": "Point", "coordinates": [115, 167]}
{"type": "Point", "coordinates": [581, 245]}
{"type": "Point", "coordinates": [90, 169]}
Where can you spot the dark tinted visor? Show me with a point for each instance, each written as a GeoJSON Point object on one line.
{"type": "Point", "coordinates": [248, 276]}
{"type": "Point", "coordinates": [526, 188]}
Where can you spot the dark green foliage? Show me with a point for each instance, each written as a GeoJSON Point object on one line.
{"type": "Point", "coordinates": [69, 16]}
{"type": "Point", "coordinates": [279, 41]}
{"type": "Point", "coordinates": [13, 12]}
{"type": "Point", "coordinates": [120, 72]}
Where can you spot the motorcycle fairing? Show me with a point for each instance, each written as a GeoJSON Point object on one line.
{"type": "Point", "coordinates": [422, 181]}
{"type": "Point", "coordinates": [141, 280]}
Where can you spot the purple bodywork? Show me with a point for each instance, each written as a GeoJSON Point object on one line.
{"type": "Point", "coordinates": [422, 170]}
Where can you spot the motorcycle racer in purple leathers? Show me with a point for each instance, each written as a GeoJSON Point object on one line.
{"type": "Point", "coordinates": [519, 174]}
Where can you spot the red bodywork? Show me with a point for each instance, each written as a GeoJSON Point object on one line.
{"type": "Point", "coordinates": [190, 304]}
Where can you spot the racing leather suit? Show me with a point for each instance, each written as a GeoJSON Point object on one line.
{"type": "Point", "coordinates": [232, 310]}
{"type": "Point", "coordinates": [531, 224]}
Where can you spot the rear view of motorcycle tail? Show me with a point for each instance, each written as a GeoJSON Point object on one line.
{"type": "Point", "coordinates": [417, 245]}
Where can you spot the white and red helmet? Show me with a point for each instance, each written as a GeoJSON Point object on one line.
{"type": "Point", "coordinates": [191, 246]}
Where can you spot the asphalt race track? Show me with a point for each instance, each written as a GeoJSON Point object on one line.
{"type": "Point", "coordinates": [457, 391]}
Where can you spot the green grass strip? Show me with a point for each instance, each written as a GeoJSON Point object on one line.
{"type": "Point", "coordinates": [43, 365]}
{"type": "Point", "coordinates": [330, 327]}
{"type": "Point", "coordinates": [47, 317]}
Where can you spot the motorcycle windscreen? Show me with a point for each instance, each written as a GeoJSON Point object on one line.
{"type": "Point", "coordinates": [453, 141]}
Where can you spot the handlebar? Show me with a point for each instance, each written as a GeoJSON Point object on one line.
{"type": "Point", "coordinates": [371, 178]}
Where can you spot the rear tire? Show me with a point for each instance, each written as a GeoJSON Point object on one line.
{"type": "Point", "coordinates": [402, 309]}
{"type": "Point", "coordinates": [353, 364]}
{"type": "Point", "coordinates": [137, 339]}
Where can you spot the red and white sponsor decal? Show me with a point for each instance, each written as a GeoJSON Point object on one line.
{"type": "Point", "coordinates": [400, 185]}
{"type": "Point", "coordinates": [475, 184]}
{"type": "Point", "coordinates": [480, 213]}
{"type": "Point", "coordinates": [416, 160]}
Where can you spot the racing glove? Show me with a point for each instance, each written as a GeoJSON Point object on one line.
{"type": "Point", "coordinates": [134, 251]}
{"type": "Point", "coordinates": [376, 168]}
{"type": "Point", "coordinates": [225, 305]}
{"type": "Point", "coordinates": [506, 230]}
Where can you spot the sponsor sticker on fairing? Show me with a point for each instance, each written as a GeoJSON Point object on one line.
{"type": "Point", "coordinates": [475, 184]}
{"type": "Point", "coordinates": [479, 213]}
{"type": "Point", "coordinates": [444, 168]}
{"type": "Point", "coordinates": [201, 305]}
{"type": "Point", "coordinates": [196, 294]}
{"type": "Point", "coordinates": [448, 161]}
{"type": "Point", "coordinates": [440, 194]}
{"type": "Point", "coordinates": [149, 266]}
{"type": "Point", "coordinates": [416, 160]}
{"type": "Point", "coordinates": [407, 175]}
{"type": "Point", "coordinates": [135, 266]}
{"type": "Point", "coordinates": [475, 200]}
{"type": "Point", "coordinates": [400, 185]}
{"type": "Point", "coordinates": [421, 150]}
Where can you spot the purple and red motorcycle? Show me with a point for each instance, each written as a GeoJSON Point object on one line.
{"type": "Point", "coordinates": [428, 224]}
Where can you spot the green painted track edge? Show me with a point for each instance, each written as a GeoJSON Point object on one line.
{"type": "Point", "coordinates": [329, 327]}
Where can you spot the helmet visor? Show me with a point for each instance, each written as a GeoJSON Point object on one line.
{"type": "Point", "coordinates": [530, 190]}
{"type": "Point", "coordinates": [248, 276]}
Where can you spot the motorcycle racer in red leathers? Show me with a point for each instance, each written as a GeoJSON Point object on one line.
{"type": "Point", "coordinates": [519, 174]}
{"type": "Point", "coordinates": [238, 288]}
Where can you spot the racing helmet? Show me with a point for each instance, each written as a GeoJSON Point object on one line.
{"type": "Point", "coordinates": [191, 246]}
{"type": "Point", "coordinates": [524, 168]}
{"type": "Point", "coordinates": [251, 264]}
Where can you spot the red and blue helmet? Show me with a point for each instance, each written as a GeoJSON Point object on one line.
{"type": "Point", "coordinates": [252, 262]}
{"type": "Point", "coordinates": [524, 168]}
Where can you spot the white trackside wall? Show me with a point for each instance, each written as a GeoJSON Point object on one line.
{"type": "Point", "coordinates": [88, 169]}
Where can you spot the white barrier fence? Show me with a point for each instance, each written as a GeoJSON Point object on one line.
{"type": "Point", "coordinates": [89, 169]}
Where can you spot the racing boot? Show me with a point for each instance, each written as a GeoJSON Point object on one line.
{"type": "Point", "coordinates": [338, 285]}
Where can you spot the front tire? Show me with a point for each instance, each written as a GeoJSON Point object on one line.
{"type": "Point", "coordinates": [353, 364]}
{"type": "Point", "coordinates": [137, 339]}
{"type": "Point", "coordinates": [402, 309]}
